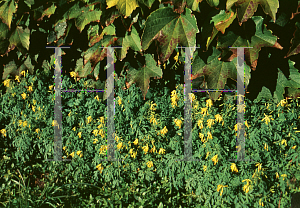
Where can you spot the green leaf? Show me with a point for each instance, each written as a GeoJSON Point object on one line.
{"type": "Point", "coordinates": [264, 93]}
{"type": "Point", "coordinates": [6, 12]}
{"type": "Point", "coordinates": [83, 71]}
{"type": "Point", "coordinates": [295, 47]}
{"type": "Point", "coordinates": [125, 7]}
{"type": "Point", "coordinates": [282, 82]}
{"type": "Point", "coordinates": [246, 8]}
{"type": "Point", "coordinates": [20, 37]}
{"type": "Point", "coordinates": [9, 68]}
{"type": "Point", "coordinates": [109, 30]}
{"type": "Point", "coordinates": [223, 20]}
{"type": "Point", "coordinates": [213, 3]}
{"type": "Point", "coordinates": [87, 17]}
{"type": "Point", "coordinates": [217, 72]}
{"type": "Point", "coordinates": [133, 41]}
{"type": "Point", "coordinates": [3, 31]}
{"type": "Point", "coordinates": [258, 40]}
{"type": "Point", "coordinates": [193, 5]}
{"type": "Point", "coordinates": [170, 29]}
{"type": "Point", "coordinates": [142, 77]}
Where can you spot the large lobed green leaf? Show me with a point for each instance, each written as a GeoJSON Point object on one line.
{"type": "Point", "coordinates": [170, 29]}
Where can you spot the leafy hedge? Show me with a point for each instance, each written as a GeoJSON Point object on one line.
{"type": "Point", "coordinates": [149, 138]}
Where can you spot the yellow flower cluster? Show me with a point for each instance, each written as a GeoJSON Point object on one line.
{"type": "Point", "coordinates": [174, 98]}
{"type": "Point", "coordinates": [178, 122]}
{"type": "Point", "coordinates": [220, 187]}
{"type": "Point", "coordinates": [246, 187]}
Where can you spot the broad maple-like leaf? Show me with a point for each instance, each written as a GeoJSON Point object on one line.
{"type": "Point", "coordinates": [87, 17]}
{"type": "Point", "coordinates": [142, 77]}
{"type": "Point", "coordinates": [170, 29]}
{"type": "Point", "coordinates": [6, 12]}
{"type": "Point", "coordinates": [258, 40]}
{"type": "Point", "coordinates": [246, 8]}
{"type": "Point", "coordinates": [133, 41]}
{"type": "Point", "coordinates": [20, 37]}
{"type": "Point", "coordinates": [295, 48]}
{"type": "Point", "coordinates": [217, 72]}
{"type": "Point", "coordinates": [126, 7]}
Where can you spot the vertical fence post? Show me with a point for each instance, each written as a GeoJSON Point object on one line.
{"type": "Point", "coordinates": [57, 107]}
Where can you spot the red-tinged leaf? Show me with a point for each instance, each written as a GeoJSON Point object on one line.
{"type": "Point", "coordinates": [40, 12]}
{"type": "Point", "coordinates": [217, 72]}
{"type": "Point", "coordinates": [223, 20]}
{"type": "Point", "coordinates": [295, 47]}
{"type": "Point", "coordinates": [258, 40]}
{"type": "Point", "coordinates": [142, 77]}
{"type": "Point", "coordinates": [246, 8]}
{"type": "Point", "coordinates": [170, 29]}
{"type": "Point", "coordinates": [6, 12]}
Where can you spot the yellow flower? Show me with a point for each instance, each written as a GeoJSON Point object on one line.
{"type": "Point", "coordinates": [210, 122]}
{"type": "Point", "coordinates": [204, 111]}
{"type": "Point", "coordinates": [97, 97]}
{"type": "Point", "coordinates": [136, 141]}
{"type": "Point", "coordinates": [130, 151]}
{"type": "Point", "coordinates": [72, 154]}
{"type": "Point", "coordinates": [246, 124]}
{"type": "Point", "coordinates": [152, 106]}
{"type": "Point", "coordinates": [3, 131]}
{"type": "Point", "coordinates": [176, 57]}
{"type": "Point", "coordinates": [153, 149]}
{"type": "Point", "coordinates": [283, 142]}
{"type": "Point", "coordinates": [102, 120]}
{"type": "Point", "coordinates": [178, 122]}
{"type": "Point", "coordinates": [34, 101]}
{"type": "Point", "coordinates": [79, 134]}
{"type": "Point", "coordinates": [95, 131]}
{"type": "Point", "coordinates": [240, 108]}
{"type": "Point", "coordinates": [204, 167]}
{"type": "Point", "coordinates": [30, 89]}
{"type": "Point", "coordinates": [277, 175]}
{"type": "Point", "coordinates": [282, 103]}
{"type": "Point", "coordinates": [267, 118]}
{"type": "Point", "coordinates": [207, 154]}
{"type": "Point", "coordinates": [74, 129]}
{"type": "Point", "coordinates": [17, 78]}
{"type": "Point", "coordinates": [79, 153]}
{"type": "Point", "coordinates": [153, 120]}
{"type": "Point", "coordinates": [20, 122]}
{"type": "Point", "coordinates": [119, 146]}
{"type": "Point", "coordinates": [145, 148]}
{"type": "Point", "coordinates": [6, 82]}
{"type": "Point", "coordinates": [133, 154]}
{"type": "Point", "coordinates": [95, 141]}
{"type": "Point", "coordinates": [25, 123]}
{"type": "Point", "coordinates": [246, 187]}
{"type": "Point", "coordinates": [64, 148]}
{"type": "Point", "coordinates": [50, 87]}
{"type": "Point", "coordinates": [258, 165]}
{"type": "Point", "coordinates": [89, 119]}
{"type": "Point", "coordinates": [149, 164]}
{"type": "Point", "coordinates": [23, 95]}
{"type": "Point", "coordinates": [218, 118]}
{"type": "Point", "coordinates": [266, 147]}
{"type": "Point", "coordinates": [200, 124]}
{"type": "Point", "coordinates": [33, 108]}
{"type": "Point", "coordinates": [119, 101]}
{"type": "Point", "coordinates": [220, 187]}
{"type": "Point", "coordinates": [284, 176]}
{"type": "Point", "coordinates": [100, 168]}
{"type": "Point", "coordinates": [161, 151]}
{"type": "Point", "coordinates": [261, 203]}
{"type": "Point", "coordinates": [234, 168]}
{"type": "Point", "coordinates": [73, 74]}
{"type": "Point", "coordinates": [192, 97]}
{"type": "Point", "coordinates": [101, 133]}
{"type": "Point", "coordinates": [23, 73]}
{"type": "Point", "coordinates": [209, 135]}
{"type": "Point", "coordinates": [294, 147]}
{"type": "Point", "coordinates": [164, 131]}
{"type": "Point", "coordinates": [174, 98]}
{"type": "Point", "coordinates": [209, 103]}
{"type": "Point", "coordinates": [201, 136]}
{"type": "Point", "coordinates": [215, 159]}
